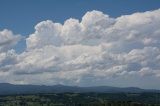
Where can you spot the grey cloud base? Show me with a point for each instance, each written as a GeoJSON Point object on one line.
{"type": "Point", "coordinates": [98, 50]}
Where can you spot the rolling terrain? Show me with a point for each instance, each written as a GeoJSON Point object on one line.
{"type": "Point", "coordinates": [9, 89]}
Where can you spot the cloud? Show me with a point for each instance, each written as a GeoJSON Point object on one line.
{"type": "Point", "coordinates": [8, 39]}
{"type": "Point", "coordinates": [87, 32]}
{"type": "Point", "coordinates": [92, 50]}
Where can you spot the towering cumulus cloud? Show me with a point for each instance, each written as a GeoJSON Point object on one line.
{"type": "Point", "coordinates": [97, 49]}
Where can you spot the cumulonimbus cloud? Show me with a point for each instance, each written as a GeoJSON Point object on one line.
{"type": "Point", "coordinates": [94, 48]}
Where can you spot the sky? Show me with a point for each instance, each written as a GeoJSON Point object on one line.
{"type": "Point", "coordinates": [80, 42]}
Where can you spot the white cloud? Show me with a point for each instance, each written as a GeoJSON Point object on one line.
{"type": "Point", "coordinates": [89, 31]}
{"type": "Point", "coordinates": [8, 39]}
{"type": "Point", "coordinates": [96, 48]}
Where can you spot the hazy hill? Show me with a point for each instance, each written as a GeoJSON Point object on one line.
{"type": "Point", "coordinates": [7, 89]}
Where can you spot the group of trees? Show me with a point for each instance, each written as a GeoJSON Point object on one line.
{"type": "Point", "coordinates": [81, 99]}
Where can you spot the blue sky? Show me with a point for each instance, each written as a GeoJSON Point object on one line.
{"type": "Point", "coordinates": [22, 15]}
{"type": "Point", "coordinates": [80, 42]}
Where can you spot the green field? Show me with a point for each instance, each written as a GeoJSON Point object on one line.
{"type": "Point", "coordinates": [82, 99]}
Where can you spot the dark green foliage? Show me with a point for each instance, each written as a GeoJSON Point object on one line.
{"type": "Point", "coordinates": [82, 99]}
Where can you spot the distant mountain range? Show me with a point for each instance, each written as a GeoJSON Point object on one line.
{"type": "Point", "coordinates": [9, 89]}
